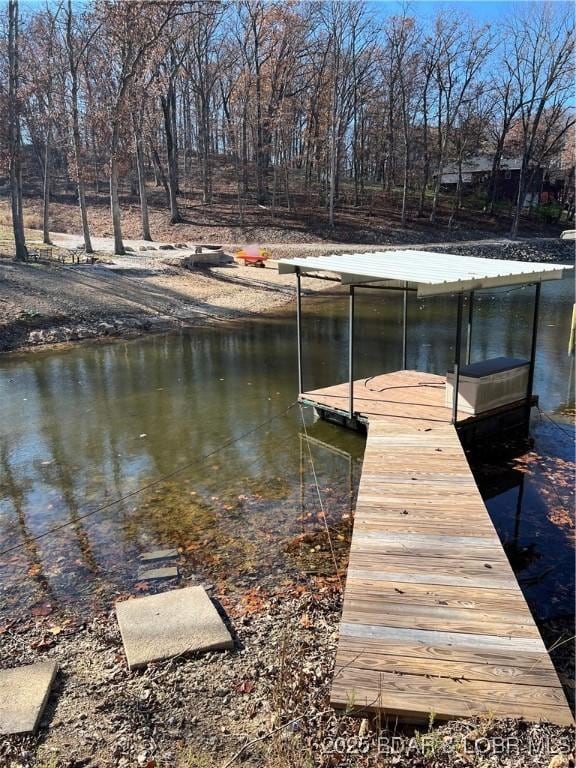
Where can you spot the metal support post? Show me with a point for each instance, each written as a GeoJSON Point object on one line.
{"type": "Point", "coordinates": [351, 350]}
{"type": "Point", "coordinates": [299, 331]}
{"type": "Point", "coordinates": [457, 360]}
{"type": "Point", "coordinates": [404, 330]}
{"type": "Point", "coordinates": [533, 350]}
{"type": "Point", "coordinates": [469, 329]}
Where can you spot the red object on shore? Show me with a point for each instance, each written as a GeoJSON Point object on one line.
{"type": "Point", "coordinates": [256, 258]}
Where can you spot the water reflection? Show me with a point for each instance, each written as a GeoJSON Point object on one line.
{"type": "Point", "coordinates": [82, 427]}
{"type": "Point", "coordinates": [530, 496]}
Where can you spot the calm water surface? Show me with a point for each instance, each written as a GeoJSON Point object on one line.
{"type": "Point", "coordinates": [82, 427]}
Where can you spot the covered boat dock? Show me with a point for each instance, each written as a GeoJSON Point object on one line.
{"type": "Point", "coordinates": [434, 622]}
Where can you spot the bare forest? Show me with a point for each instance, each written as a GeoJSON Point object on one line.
{"type": "Point", "coordinates": [310, 114]}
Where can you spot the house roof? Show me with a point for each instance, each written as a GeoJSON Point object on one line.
{"type": "Point", "coordinates": [478, 164]}
{"type": "Point", "coordinates": [431, 274]}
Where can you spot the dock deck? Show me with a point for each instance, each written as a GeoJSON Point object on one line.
{"type": "Point", "coordinates": [433, 619]}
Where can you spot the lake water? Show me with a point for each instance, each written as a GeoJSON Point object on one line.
{"type": "Point", "coordinates": [84, 426]}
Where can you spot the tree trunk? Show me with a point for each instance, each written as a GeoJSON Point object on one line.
{"type": "Point", "coordinates": [21, 253]}
{"type": "Point", "coordinates": [175, 217]}
{"type": "Point", "coordinates": [333, 164]}
{"type": "Point", "coordinates": [442, 144]}
{"type": "Point", "coordinates": [159, 171]}
{"type": "Point", "coordinates": [436, 195]}
{"type": "Point", "coordinates": [260, 181]}
{"type": "Point", "coordinates": [457, 197]}
{"type": "Point", "coordinates": [114, 199]}
{"type": "Point", "coordinates": [493, 187]}
{"type": "Point", "coordinates": [174, 134]}
{"type": "Point", "coordinates": [405, 181]}
{"type": "Point", "coordinates": [244, 147]}
{"type": "Point", "coordinates": [205, 150]}
{"type": "Point", "coordinates": [141, 182]}
{"type": "Point", "coordinates": [73, 65]}
{"type": "Point", "coordinates": [438, 183]}
{"type": "Point", "coordinates": [426, 153]}
{"type": "Point", "coordinates": [46, 191]}
{"type": "Point", "coordinates": [519, 198]}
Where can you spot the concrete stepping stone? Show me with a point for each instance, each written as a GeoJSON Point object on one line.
{"type": "Point", "coordinates": [158, 554]}
{"type": "Point", "coordinates": [24, 692]}
{"type": "Point", "coordinates": [158, 627]}
{"type": "Point", "coordinates": [165, 572]}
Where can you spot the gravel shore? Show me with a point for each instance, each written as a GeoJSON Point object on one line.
{"type": "Point", "coordinates": [265, 703]}
{"type": "Point", "coordinates": [43, 304]}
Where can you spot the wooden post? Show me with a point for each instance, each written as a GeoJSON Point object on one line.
{"type": "Point", "coordinates": [351, 350]}
{"type": "Point", "coordinates": [457, 350]}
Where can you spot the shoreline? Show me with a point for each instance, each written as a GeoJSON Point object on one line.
{"type": "Point", "coordinates": [46, 306]}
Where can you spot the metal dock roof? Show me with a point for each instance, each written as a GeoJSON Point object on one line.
{"type": "Point", "coordinates": [429, 273]}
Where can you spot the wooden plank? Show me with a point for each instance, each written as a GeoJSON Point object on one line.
{"type": "Point", "coordinates": [433, 617]}
{"type": "Point", "coordinates": [426, 542]}
{"type": "Point", "coordinates": [415, 524]}
{"type": "Point", "coordinates": [435, 579]}
{"type": "Point", "coordinates": [410, 695]}
{"type": "Point", "coordinates": [478, 641]}
{"type": "Point", "coordinates": [473, 598]}
{"type": "Point", "coordinates": [481, 670]}
{"type": "Point", "coordinates": [380, 562]}
{"type": "Point", "coordinates": [440, 612]}
{"type": "Point", "coordinates": [527, 662]}
{"type": "Point", "coordinates": [375, 550]}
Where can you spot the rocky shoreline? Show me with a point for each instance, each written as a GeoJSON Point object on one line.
{"type": "Point", "coordinates": [46, 305]}
{"type": "Point", "coordinates": [45, 333]}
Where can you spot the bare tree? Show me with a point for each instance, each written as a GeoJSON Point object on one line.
{"type": "Point", "coordinates": [131, 32]}
{"type": "Point", "coordinates": [463, 50]}
{"type": "Point", "coordinates": [349, 43]}
{"type": "Point", "coordinates": [468, 137]}
{"type": "Point", "coordinates": [542, 67]}
{"type": "Point", "coordinates": [176, 50]}
{"type": "Point", "coordinates": [404, 41]}
{"type": "Point", "coordinates": [44, 86]}
{"type": "Point", "coordinates": [137, 115]}
{"type": "Point", "coordinates": [203, 23]}
{"type": "Point", "coordinates": [76, 50]}
{"type": "Point", "coordinates": [14, 136]}
{"type": "Point", "coordinates": [429, 63]}
{"type": "Point", "coordinates": [504, 105]}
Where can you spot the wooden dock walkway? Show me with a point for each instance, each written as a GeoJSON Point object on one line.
{"type": "Point", "coordinates": [433, 619]}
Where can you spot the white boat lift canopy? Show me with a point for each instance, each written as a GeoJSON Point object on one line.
{"type": "Point", "coordinates": [424, 273]}
{"type": "Point", "coordinates": [429, 273]}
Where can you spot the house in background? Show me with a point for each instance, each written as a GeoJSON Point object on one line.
{"type": "Point", "coordinates": [477, 172]}
{"type": "Point", "coordinates": [551, 184]}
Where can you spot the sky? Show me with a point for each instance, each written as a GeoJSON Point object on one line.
{"type": "Point", "coordinates": [485, 11]}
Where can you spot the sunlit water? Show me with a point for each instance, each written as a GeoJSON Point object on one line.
{"type": "Point", "coordinates": [85, 426]}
